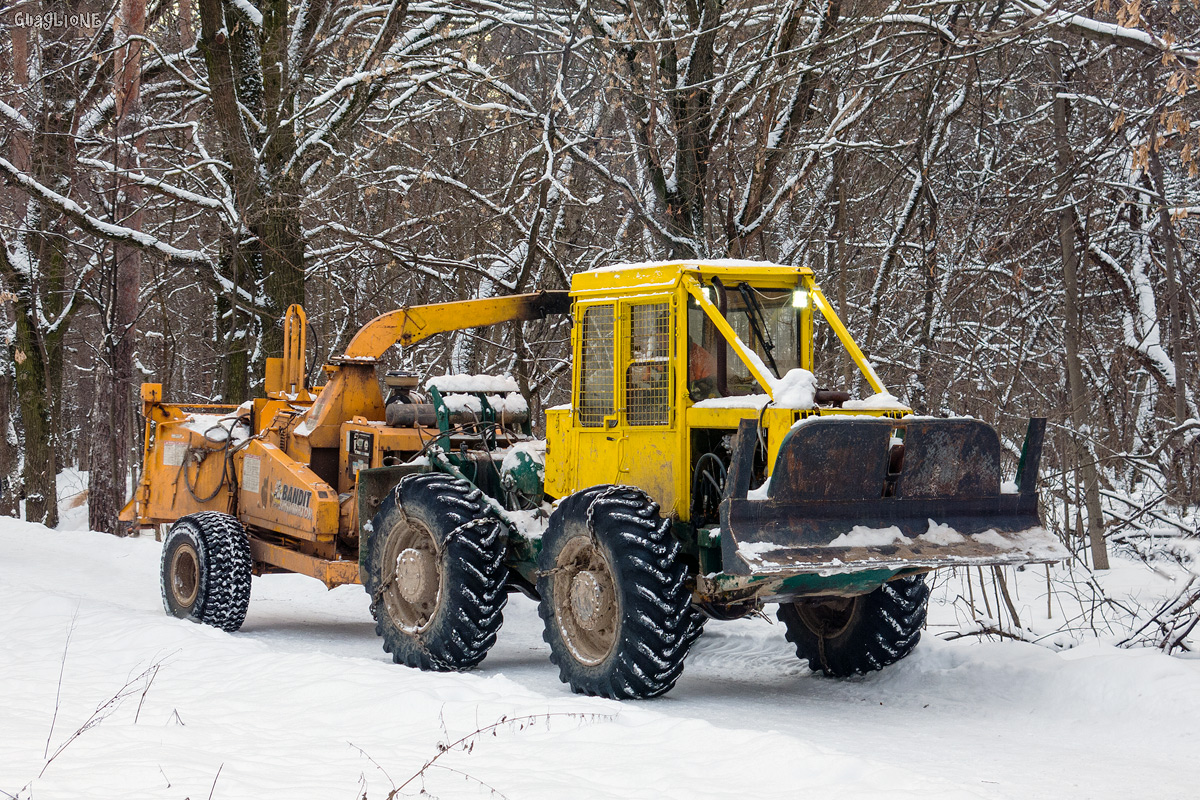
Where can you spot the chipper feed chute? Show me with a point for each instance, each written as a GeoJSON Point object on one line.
{"type": "Point", "coordinates": [854, 493]}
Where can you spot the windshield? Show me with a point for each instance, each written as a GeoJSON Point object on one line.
{"type": "Point", "coordinates": [767, 322]}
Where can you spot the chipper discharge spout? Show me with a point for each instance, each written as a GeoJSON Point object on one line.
{"type": "Point", "coordinates": [855, 493]}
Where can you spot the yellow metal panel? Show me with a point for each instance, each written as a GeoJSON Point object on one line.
{"type": "Point", "coordinates": [295, 336]}
{"type": "Point", "coordinates": [719, 417]}
{"type": "Point", "coordinates": [273, 383]}
{"type": "Point", "coordinates": [558, 452]}
{"type": "Point", "coordinates": [626, 278]}
{"type": "Point", "coordinates": [352, 391]}
{"type": "Point", "coordinates": [598, 455]}
{"type": "Point", "coordinates": [651, 461]}
{"type": "Point", "coordinates": [777, 422]}
{"type": "Point", "coordinates": [171, 469]}
{"type": "Point", "coordinates": [280, 494]}
{"type": "Point", "coordinates": [806, 329]}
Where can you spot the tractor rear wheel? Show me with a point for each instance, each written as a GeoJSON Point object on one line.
{"type": "Point", "coordinates": [205, 570]}
{"type": "Point", "coordinates": [614, 596]}
{"type": "Point", "coordinates": [436, 573]}
{"type": "Point", "coordinates": [844, 636]}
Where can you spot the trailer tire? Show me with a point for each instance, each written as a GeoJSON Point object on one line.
{"type": "Point", "coordinates": [205, 570]}
{"type": "Point", "coordinates": [436, 573]}
{"type": "Point", "coordinates": [844, 636]}
{"type": "Point", "coordinates": [614, 595]}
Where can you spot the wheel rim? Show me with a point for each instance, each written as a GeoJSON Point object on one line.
{"type": "Point", "coordinates": [412, 591]}
{"type": "Point", "coordinates": [585, 601]}
{"type": "Point", "coordinates": [185, 575]}
{"type": "Point", "coordinates": [829, 617]}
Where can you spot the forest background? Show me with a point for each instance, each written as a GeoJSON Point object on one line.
{"type": "Point", "coordinates": [1002, 199]}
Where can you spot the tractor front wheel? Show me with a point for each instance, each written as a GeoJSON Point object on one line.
{"type": "Point", "coordinates": [436, 574]}
{"type": "Point", "coordinates": [844, 636]}
{"type": "Point", "coordinates": [205, 570]}
{"type": "Point", "coordinates": [613, 594]}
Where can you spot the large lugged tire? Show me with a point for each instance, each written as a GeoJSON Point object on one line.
{"type": "Point", "coordinates": [436, 573]}
{"type": "Point", "coordinates": [205, 570]}
{"type": "Point", "coordinates": [844, 636]}
{"type": "Point", "coordinates": [614, 596]}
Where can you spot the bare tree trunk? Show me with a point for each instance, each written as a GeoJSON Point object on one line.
{"type": "Point", "coordinates": [1076, 390]}
{"type": "Point", "coordinates": [1171, 252]}
{"type": "Point", "coordinates": [10, 478]}
{"type": "Point", "coordinates": [34, 389]}
{"type": "Point", "coordinates": [10, 451]}
{"type": "Point", "coordinates": [920, 395]}
{"type": "Point", "coordinates": [110, 419]}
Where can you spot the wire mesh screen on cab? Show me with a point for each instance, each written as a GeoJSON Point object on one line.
{"type": "Point", "coordinates": [648, 377]}
{"type": "Point", "coordinates": [596, 367]}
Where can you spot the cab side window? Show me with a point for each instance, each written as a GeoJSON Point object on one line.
{"type": "Point", "coordinates": [648, 379]}
{"type": "Point", "coordinates": [597, 358]}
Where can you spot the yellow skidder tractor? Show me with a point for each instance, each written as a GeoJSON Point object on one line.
{"type": "Point", "coordinates": [697, 472]}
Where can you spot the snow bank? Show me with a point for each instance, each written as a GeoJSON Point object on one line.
{"type": "Point", "coordinates": [303, 703]}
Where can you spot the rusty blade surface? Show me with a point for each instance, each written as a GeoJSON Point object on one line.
{"type": "Point", "coordinates": [851, 494]}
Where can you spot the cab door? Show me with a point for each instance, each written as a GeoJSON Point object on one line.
{"type": "Point", "coordinates": [597, 450]}
{"type": "Point", "coordinates": [646, 420]}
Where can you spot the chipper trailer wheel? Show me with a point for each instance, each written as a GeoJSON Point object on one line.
{"type": "Point", "coordinates": [613, 595]}
{"type": "Point", "coordinates": [844, 636]}
{"type": "Point", "coordinates": [206, 568]}
{"type": "Point", "coordinates": [436, 574]}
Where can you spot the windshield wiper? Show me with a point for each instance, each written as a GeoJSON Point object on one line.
{"type": "Point", "coordinates": [758, 323]}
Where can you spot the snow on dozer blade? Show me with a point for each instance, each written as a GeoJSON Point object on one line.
{"type": "Point", "coordinates": [848, 494]}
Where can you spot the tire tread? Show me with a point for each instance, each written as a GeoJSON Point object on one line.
{"type": "Point", "coordinates": [658, 624]}
{"type": "Point", "coordinates": [885, 628]}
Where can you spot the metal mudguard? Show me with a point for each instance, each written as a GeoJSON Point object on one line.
{"type": "Point", "coordinates": [849, 494]}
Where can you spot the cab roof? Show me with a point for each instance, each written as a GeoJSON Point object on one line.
{"type": "Point", "coordinates": [649, 275]}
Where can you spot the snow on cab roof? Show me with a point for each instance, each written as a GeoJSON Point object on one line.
{"type": "Point", "coordinates": [660, 275]}
{"type": "Point", "coordinates": [694, 262]}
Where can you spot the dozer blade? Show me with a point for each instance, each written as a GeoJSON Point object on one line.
{"type": "Point", "coordinates": [847, 494]}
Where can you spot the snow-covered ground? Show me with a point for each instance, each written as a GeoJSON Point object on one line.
{"type": "Point", "coordinates": [303, 703]}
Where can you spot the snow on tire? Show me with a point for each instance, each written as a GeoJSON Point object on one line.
{"type": "Point", "coordinates": [205, 570]}
{"type": "Point", "coordinates": [844, 636]}
{"type": "Point", "coordinates": [436, 573]}
{"type": "Point", "coordinates": [614, 595]}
